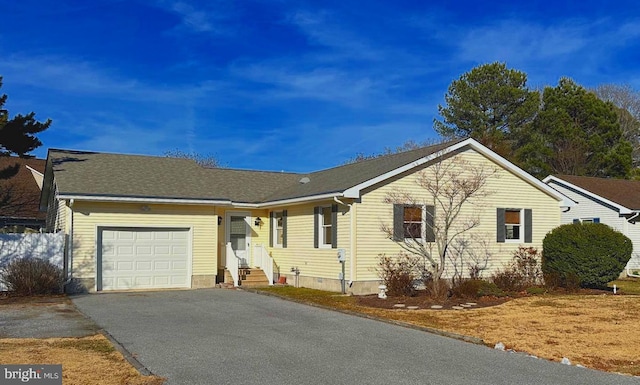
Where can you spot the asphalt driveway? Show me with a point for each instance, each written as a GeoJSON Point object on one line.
{"type": "Point", "coordinates": [221, 336]}
{"type": "Point", "coordinates": [45, 317]}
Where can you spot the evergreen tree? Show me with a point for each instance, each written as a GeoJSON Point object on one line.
{"type": "Point", "coordinates": [574, 133]}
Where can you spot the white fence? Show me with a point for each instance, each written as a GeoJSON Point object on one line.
{"type": "Point", "coordinates": [44, 246]}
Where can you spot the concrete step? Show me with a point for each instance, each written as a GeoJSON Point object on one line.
{"type": "Point", "coordinates": [249, 278]}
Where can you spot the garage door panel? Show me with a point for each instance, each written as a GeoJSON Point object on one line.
{"type": "Point", "coordinates": [178, 265]}
{"type": "Point", "coordinates": [144, 266]}
{"type": "Point", "coordinates": [144, 250]}
{"type": "Point", "coordinates": [124, 266]}
{"type": "Point", "coordinates": [144, 258]}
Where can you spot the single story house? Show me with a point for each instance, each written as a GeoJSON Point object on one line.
{"type": "Point", "coordinates": [20, 195]}
{"type": "Point", "coordinates": [141, 222]}
{"type": "Point", "coordinates": [615, 202]}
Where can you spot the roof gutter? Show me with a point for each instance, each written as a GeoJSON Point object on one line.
{"type": "Point", "coordinates": [98, 198]}
{"type": "Point", "coordinates": [288, 202]}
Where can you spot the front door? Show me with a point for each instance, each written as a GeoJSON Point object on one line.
{"type": "Point", "coordinates": [239, 236]}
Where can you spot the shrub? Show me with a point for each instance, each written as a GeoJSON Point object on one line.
{"type": "Point", "coordinates": [398, 274]}
{"type": "Point", "coordinates": [535, 290]}
{"type": "Point", "coordinates": [509, 279]}
{"type": "Point", "coordinates": [475, 288]}
{"type": "Point", "coordinates": [585, 254]}
{"type": "Point", "coordinates": [32, 276]}
{"type": "Point", "coordinates": [527, 263]}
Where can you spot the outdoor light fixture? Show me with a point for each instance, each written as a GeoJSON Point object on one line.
{"type": "Point", "coordinates": [258, 221]}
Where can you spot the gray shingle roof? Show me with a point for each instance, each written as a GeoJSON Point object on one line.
{"type": "Point", "coordinates": [119, 175]}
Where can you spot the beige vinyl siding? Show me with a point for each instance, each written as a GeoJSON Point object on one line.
{"type": "Point", "coordinates": [56, 213]}
{"type": "Point", "coordinates": [508, 191]}
{"type": "Point", "coordinates": [319, 262]}
{"type": "Point", "coordinates": [88, 216]}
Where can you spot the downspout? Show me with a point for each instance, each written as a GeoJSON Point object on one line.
{"type": "Point", "coordinates": [70, 246]}
{"type": "Point", "coordinates": [351, 245]}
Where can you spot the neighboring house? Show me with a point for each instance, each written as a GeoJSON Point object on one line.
{"type": "Point", "coordinates": [615, 202]}
{"type": "Point", "coordinates": [156, 222]}
{"type": "Point", "coordinates": [20, 195]}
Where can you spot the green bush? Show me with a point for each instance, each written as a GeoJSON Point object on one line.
{"type": "Point", "coordinates": [588, 254]}
{"type": "Point", "coordinates": [32, 276]}
{"type": "Point", "coordinates": [475, 288]}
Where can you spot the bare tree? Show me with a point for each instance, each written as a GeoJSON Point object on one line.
{"type": "Point", "coordinates": [406, 146]}
{"type": "Point", "coordinates": [627, 101]}
{"type": "Point", "coordinates": [207, 160]}
{"type": "Point", "coordinates": [454, 190]}
{"type": "Point", "coordinates": [470, 253]}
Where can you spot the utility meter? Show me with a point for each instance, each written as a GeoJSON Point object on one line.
{"type": "Point", "coordinates": [341, 255]}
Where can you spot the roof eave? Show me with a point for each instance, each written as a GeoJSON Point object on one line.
{"type": "Point", "coordinates": [355, 191]}
{"type": "Point", "coordinates": [134, 199]}
{"type": "Point", "coordinates": [623, 210]}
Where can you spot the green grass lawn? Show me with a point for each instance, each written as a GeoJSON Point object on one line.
{"type": "Point", "coordinates": [627, 285]}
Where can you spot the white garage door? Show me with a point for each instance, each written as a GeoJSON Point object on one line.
{"type": "Point", "coordinates": [145, 258]}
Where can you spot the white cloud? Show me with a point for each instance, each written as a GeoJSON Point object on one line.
{"type": "Point", "coordinates": [70, 76]}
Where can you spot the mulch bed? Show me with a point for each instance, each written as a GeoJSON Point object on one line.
{"type": "Point", "coordinates": [425, 302]}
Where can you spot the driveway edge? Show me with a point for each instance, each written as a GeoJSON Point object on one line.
{"type": "Point", "coordinates": [127, 355]}
{"type": "Point", "coordinates": [118, 346]}
{"type": "Point", "coordinates": [460, 337]}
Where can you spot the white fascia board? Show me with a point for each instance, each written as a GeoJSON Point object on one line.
{"type": "Point", "coordinates": [621, 209]}
{"type": "Point", "coordinates": [33, 170]}
{"type": "Point", "coordinates": [354, 192]}
{"type": "Point", "coordinates": [301, 200]}
{"type": "Point", "coordinates": [97, 198]}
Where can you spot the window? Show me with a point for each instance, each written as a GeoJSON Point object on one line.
{"type": "Point", "coordinates": [326, 225]}
{"type": "Point", "coordinates": [413, 222]}
{"type": "Point", "coordinates": [587, 220]}
{"type": "Point", "coordinates": [514, 225]}
{"type": "Point", "coordinates": [278, 235]}
{"type": "Point", "coordinates": [325, 220]}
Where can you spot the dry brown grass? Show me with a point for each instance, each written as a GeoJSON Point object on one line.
{"type": "Point", "coordinates": [85, 361]}
{"type": "Point", "coordinates": [597, 331]}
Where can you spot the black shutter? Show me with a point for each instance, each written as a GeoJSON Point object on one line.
{"type": "Point", "coordinates": [528, 226]}
{"type": "Point", "coordinates": [334, 226]}
{"type": "Point", "coordinates": [398, 222]}
{"type": "Point", "coordinates": [500, 229]}
{"type": "Point", "coordinates": [284, 228]}
{"type": "Point", "coordinates": [429, 222]}
{"type": "Point", "coordinates": [272, 228]}
{"type": "Point", "coordinates": [316, 214]}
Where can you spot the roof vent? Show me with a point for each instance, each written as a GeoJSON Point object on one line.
{"type": "Point", "coordinates": [305, 180]}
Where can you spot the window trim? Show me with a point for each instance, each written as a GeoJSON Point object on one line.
{"type": "Point", "coordinates": [420, 222]}
{"type": "Point", "coordinates": [526, 224]}
{"type": "Point", "coordinates": [274, 229]}
{"type": "Point", "coordinates": [521, 226]}
{"type": "Point", "coordinates": [587, 220]}
{"type": "Point", "coordinates": [427, 233]}
{"type": "Point", "coordinates": [319, 227]}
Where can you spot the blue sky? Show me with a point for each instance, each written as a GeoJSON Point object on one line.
{"type": "Point", "coordinates": [283, 85]}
